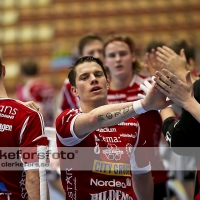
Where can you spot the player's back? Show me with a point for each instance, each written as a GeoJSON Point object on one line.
{"type": "Point", "coordinates": [17, 132]}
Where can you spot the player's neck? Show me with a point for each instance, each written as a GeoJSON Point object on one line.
{"type": "Point", "coordinates": [3, 93]}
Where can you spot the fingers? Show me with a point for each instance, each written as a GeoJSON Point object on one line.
{"type": "Point", "coordinates": [163, 53]}
{"type": "Point", "coordinates": [182, 53]}
{"type": "Point", "coordinates": [164, 80]}
{"type": "Point", "coordinates": [188, 78]}
{"type": "Point", "coordinates": [147, 84]}
{"type": "Point", "coordinates": [168, 51]}
{"type": "Point", "coordinates": [161, 89]}
{"type": "Point", "coordinates": [161, 57]}
{"type": "Point", "coordinates": [144, 88]}
{"type": "Point", "coordinates": [141, 96]}
{"type": "Point", "coordinates": [170, 76]}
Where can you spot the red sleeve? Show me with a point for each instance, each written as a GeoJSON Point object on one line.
{"type": "Point", "coordinates": [65, 127]}
{"type": "Point", "coordinates": [31, 136]}
{"type": "Point", "coordinates": [68, 100]}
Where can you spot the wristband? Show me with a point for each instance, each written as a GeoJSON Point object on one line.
{"type": "Point", "coordinates": [137, 106]}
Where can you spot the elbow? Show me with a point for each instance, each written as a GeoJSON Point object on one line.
{"type": "Point", "coordinates": [95, 120]}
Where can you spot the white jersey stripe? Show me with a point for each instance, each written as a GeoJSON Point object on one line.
{"type": "Point", "coordinates": [22, 130]}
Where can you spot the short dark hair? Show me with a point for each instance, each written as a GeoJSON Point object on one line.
{"type": "Point", "coordinates": [72, 73]}
{"type": "Point", "coordinates": [153, 45]}
{"type": "Point", "coordinates": [29, 68]}
{"type": "Point", "coordinates": [86, 40]}
{"type": "Point", "coordinates": [0, 66]}
{"type": "Point", "coordinates": [189, 49]}
{"type": "Point", "coordinates": [136, 66]}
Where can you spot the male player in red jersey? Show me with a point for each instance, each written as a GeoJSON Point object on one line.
{"type": "Point", "coordinates": [112, 133]}
{"type": "Point", "coordinates": [89, 45]}
{"type": "Point", "coordinates": [21, 128]}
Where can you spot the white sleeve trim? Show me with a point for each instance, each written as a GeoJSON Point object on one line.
{"type": "Point", "coordinates": [134, 168]}
{"type": "Point", "coordinates": [137, 170]}
{"type": "Point", "coordinates": [141, 170]}
{"type": "Point", "coordinates": [22, 130]}
{"type": "Point", "coordinates": [74, 139]}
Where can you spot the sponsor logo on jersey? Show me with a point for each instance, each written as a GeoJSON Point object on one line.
{"type": "Point", "coordinates": [70, 184]}
{"type": "Point", "coordinates": [111, 194]}
{"type": "Point", "coordinates": [129, 135]}
{"type": "Point", "coordinates": [116, 96]}
{"type": "Point", "coordinates": [5, 127]}
{"type": "Point", "coordinates": [132, 98]}
{"type": "Point", "coordinates": [109, 139]}
{"type": "Point", "coordinates": [128, 124]}
{"type": "Point", "coordinates": [22, 182]}
{"type": "Point", "coordinates": [113, 152]}
{"type": "Point", "coordinates": [168, 137]}
{"type": "Point", "coordinates": [109, 168]}
{"type": "Point", "coordinates": [8, 110]}
{"type": "Point", "coordinates": [129, 149]}
{"type": "Point", "coordinates": [111, 183]}
{"type": "Point", "coordinates": [107, 130]}
{"type": "Point", "coordinates": [7, 116]}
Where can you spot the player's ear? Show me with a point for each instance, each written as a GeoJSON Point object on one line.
{"type": "Point", "coordinates": [3, 70]}
{"type": "Point", "coordinates": [74, 91]}
{"type": "Point", "coordinates": [133, 57]}
{"type": "Point", "coordinates": [107, 84]}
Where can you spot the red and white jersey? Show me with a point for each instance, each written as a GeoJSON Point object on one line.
{"type": "Point", "coordinates": [68, 100]}
{"type": "Point", "coordinates": [150, 123]}
{"type": "Point", "coordinates": [22, 128]}
{"type": "Point", "coordinates": [41, 93]}
{"type": "Point", "coordinates": [107, 167]}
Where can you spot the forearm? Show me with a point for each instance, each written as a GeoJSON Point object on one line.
{"type": "Point", "coordinates": [166, 113]}
{"type": "Point", "coordinates": [193, 107]}
{"type": "Point", "coordinates": [33, 185]}
{"type": "Point", "coordinates": [143, 186]}
{"type": "Point", "coordinates": [103, 116]}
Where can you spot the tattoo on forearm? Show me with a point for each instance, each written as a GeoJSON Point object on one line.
{"type": "Point", "coordinates": [100, 118]}
{"type": "Point", "coordinates": [109, 115]}
{"type": "Point", "coordinates": [125, 110]}
{"type": "Point", "coordinates": [117, 113]}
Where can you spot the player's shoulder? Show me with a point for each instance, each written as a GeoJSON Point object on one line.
{"type": "Point", "coordinates": [23, 108]}
{"type": "Point", "coordinates": [70, 111]}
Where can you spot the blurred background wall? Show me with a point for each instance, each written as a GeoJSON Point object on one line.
{"type": "Point", "coordinates": [48, 30]}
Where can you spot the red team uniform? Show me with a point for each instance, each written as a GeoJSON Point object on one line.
{"type": "Point", "coordinates": [108, 166]}
{"type": "Point", "coordinates": [20, 127]}
{"type": "Point", "coordinates": [150, 122]}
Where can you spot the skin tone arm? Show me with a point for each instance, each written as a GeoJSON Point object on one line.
{"type": "Point", "coordinates": [33, 185]}
{"type": "Point", "coordinates": [179, 92]}
{"type": "Point", "coordinates": [143, 185]}
{"type": "Point", "coordinates": [112, 114]}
